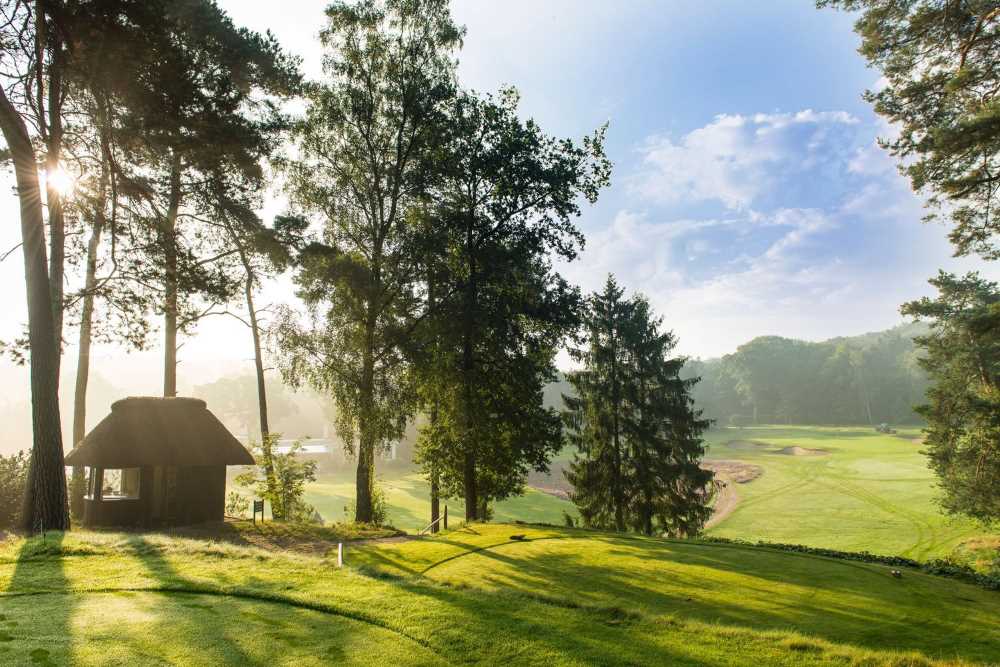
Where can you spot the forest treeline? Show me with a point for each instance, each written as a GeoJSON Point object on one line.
{"type": "Point", "coordinates": [869, 379]}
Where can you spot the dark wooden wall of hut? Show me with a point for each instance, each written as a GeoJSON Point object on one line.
{"type": "Point", "coordinates": [200, 494]}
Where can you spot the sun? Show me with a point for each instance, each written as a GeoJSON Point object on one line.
{"type": "Point", "coordinates": [60, 179]}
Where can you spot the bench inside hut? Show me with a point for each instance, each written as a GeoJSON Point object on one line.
{"type": "Point", "coordinates": [157, 462]}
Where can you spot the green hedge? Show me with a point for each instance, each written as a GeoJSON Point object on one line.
{"type": "Point", "coordinates": [940, 567]}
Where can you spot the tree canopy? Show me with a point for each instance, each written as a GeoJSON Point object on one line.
{"type": "Point", "coordinates": [940, 62]}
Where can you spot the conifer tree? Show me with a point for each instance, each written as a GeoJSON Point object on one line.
{"type": "Point", "coordinates": [596, 415]}
{"type": "Point", "coordinates": [664, 435]}
{"type": "Point", "coordinates": [962, 357]}
{"type": "Point", "coordinates": [940, 62]}
{"type": "Point", "coordinates": [634, 424]}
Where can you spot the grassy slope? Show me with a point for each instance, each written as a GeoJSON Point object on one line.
{"type": "Point", "coordinates": [871, 492]}
{"type": "Point", "coordinates": [408, 497]}
{"type": "Point", "coordinates": [562, 597]}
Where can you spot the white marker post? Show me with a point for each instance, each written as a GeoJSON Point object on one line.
{"type": "Point", "coordinates": [340, 554]}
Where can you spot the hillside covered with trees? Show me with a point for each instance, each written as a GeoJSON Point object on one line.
{"type": "Point", "coordinates": [868, 379]}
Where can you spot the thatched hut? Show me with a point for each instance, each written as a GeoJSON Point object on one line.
{"type": "Point", "coordinates": [157, 462]}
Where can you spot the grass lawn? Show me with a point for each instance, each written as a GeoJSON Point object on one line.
{"type": "Point", "coordinates": [408, 497]}
{"type": "Point", "coordinates": [559, 597]}
{"type": "Point", "coordinates": [864, 492]}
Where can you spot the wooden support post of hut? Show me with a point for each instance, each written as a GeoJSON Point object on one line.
{"type": "Point", "coordinates": [157, 462]}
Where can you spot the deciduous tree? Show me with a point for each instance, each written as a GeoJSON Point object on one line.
{"type": "Point", "coordinates": [364, 146]}
{"type": "Point", "coordinates": [501, 208]}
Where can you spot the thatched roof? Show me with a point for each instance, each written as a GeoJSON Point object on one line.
{"type": "Point", "coordinates": [144, 431]}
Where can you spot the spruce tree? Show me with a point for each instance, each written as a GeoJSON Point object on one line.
{"type": "Point", "coordinates": [634, 424]}
{"type": "Point", "coordinates": [596, 415]}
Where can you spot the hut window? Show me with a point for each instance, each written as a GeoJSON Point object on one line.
{"type": "Point", "coordinates": [122, 483]}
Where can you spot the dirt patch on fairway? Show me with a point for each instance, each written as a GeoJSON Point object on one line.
{"type": "Point", "coordinates": [746, 444]}
{"type": "Point", "coordinates": [725, 503]}
{"type": "Point", "coordinates": [795, 450]}
{"type": "Point", "coordinates": [737, 472]}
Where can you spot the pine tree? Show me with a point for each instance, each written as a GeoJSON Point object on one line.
{"type": "Point", "coordinates": [634, 424]}
{"type": "Point", "coordinates": [962, 357]}
{"type": "Point", "coordinates": [941, 67]}
{"type": "Point", "coordinates": [597, 416]}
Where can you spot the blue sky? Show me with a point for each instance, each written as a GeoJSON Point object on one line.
{"type": "Point", "coordinates": [748, 195]}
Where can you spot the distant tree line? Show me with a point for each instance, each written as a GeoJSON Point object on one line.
{"type": "Point", "coordinates": [870, 379]}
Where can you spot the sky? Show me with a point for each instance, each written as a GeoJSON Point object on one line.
{"type": "Point", "coordinates": [748, 195]}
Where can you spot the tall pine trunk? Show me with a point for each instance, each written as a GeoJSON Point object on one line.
{"type": "Point", "coordinates": [53, 199]}
{"type": "Point", "coordinates": [258, 359]}
{"type": "Point", "coordinates": [45, 490]}
{"type": "Point", "coordinates": [168, 239]}
{"type": "Point", "coordinates": [267, 454]}
{"type": "Point", "coordinates": [86, 328]}
{"type": "Point", "coordinates": [470, 486]}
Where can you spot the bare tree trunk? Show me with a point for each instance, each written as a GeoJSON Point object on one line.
{"type": "Point", "coordinates": [168, 237]}
{"type": "Point", "coordinates": [45, 491]}
{"type": "Point", "coordinates": [258, 359]}
{"type": "Point", "coordinates": [86, 328]}
{"type": "Point", "coordinates": [435, 498]}
{"type": "Point", "coordinates": [53, 198]}
{"type": "Point", "coordinates": [366, 440]}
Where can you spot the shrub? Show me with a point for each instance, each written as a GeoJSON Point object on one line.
{"type": "Point", "coordinates": [13, 473]}
{"type": "Point", "coordinates": [280, 479]}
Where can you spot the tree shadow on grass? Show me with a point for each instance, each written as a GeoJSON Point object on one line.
{"type": "Point", "coordinates": [235, 609]}
{"type": "Point", "coordinates": [842, 609]}
{"type": "Point", "coordinates": [39, 580]}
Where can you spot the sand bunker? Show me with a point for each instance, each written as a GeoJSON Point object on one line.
{"type": "Point", "coordinates": [795, 450]}
{"type": "Point", "coordinates": [734, 471]}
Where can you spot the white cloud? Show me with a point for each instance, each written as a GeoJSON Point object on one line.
{"type": "Point", "coordinates": [822, 239]}
{"type": "Point", "coordinates": [736, 158]}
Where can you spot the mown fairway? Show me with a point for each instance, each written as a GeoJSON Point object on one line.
{"type": "Point", "coordinates": [409, 506]}
{"type": "Point", "coordinates": [557, 597]}
{"type": "Point", "coordinates": [863, 491]}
